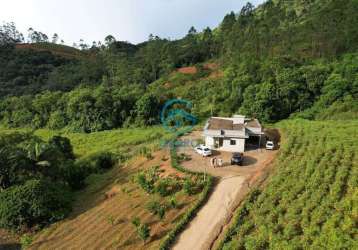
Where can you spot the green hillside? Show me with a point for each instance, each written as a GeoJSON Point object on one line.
{"type": "Point", "coordinates": [56, 49]}
{"type": "Point", "coordinates": [275, 61]}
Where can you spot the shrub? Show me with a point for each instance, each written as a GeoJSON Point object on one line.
{"type": "Point", "coordinates": [166, 186]}
{"type": "Point", "coordinates": [146, 152]}
{"type": "Point", "coordinates": [37, 202]}
{"type": "Point", "coordinates": [189, 186]}
{"type": "Point", "coordinates": [143, 231]}
{"type": "Point", "coordinates": [184, 157]}
{"type": "Point", "coordinates": [173, 203]}
{"type": "Point", "coordinates": [103, 160]}
{"type": "Point", "coordinates": [57, 120]}
{"type": "Point", "coordinates": [26, 241]}
{"type": "Point", "coordinates": [97, 162]}
{"type": "Point", "coordinates": [74, 175]}
{"type": "Point", "coordinates": [156, 208]}
{"type": "Point", "coordinates": [142, 181]}
{"type": "Point", "coordinates": [64, 145]}
{"type": "Point", "coordinates": [146, 179]}
{"type": "Point", "coordinates": [111, 220]}
{"type": "Point", "coordinates": [136, 221]}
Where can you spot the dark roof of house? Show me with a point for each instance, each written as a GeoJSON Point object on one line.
{"type": "Point", "coordinates": [238, 126]}
{"type": "Point", "coordinates": [254, 123]}
{"type": "Point", "coordinates": [223, 124]}
{"type": "Point", "coordinates": [218, 124]}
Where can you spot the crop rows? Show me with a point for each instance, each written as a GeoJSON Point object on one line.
{"type": "Point", "coordinates": [311, 200]}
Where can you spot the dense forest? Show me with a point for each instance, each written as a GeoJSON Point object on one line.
{"type": "Point", "coordinates": [278, 60]}
{"type": "Point", "coordinates": [282, 59]}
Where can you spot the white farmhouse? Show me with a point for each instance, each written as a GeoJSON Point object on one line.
{"type": "Point", "coordinates": [231, 134]}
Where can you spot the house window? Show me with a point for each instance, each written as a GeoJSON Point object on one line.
{"type": "Point", "coordinates": [232, 142]}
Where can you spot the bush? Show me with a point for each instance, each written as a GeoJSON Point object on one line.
{"type": "Point", "coordinates": [143, 232]}
{"type": "Point", "coordinates": [146, 185]}
{"type": "Point", "coordinates": [184, 157]}
{"type": "Point", "coordinates": [173, 203]}
{"type": "Point", "coordinates": [166, 186]}
{"type": "Point", "coordinates": [146, 179]}
{"type": "Point", "coordinates": [64, 145]}
{"type": "Point", "coordinates": [146, 152]}
{"type": "Point", "coordinates": [37, 202]}
{"type": "Point", "coordinates": [156, 208]}
{"type": "Point", "coordinates": [75, 175]}
{"type": "Point", "coordinates": [136, 221]}
{"type": "Point", "coordinates": [57, 120]}
{"type": "Point", "coordinates": [26, 241]}
{"type": "Point", "coordinates": [102, 160]}
{"type": "Point", "coordinates": [189, 186]}
{"type": "Point", "coordinates": [97, 162]}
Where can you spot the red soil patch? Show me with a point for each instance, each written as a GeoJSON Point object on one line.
{"type": "Point", "coordinates": [162, 159]}
{"type": "Point", "coordinates": [188, 70]}
{"type": "Point", "coordinates": [211, 66]}
{"type": "Point", "coordinates": [23, 46]}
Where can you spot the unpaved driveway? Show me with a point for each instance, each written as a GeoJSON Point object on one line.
{"type": "Point", "coordinates": [234, 184]}
{"type": "Point", "coordinates": [208, 222]}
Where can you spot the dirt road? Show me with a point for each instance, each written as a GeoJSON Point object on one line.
{"type": "Point", "coordinates": [208, 222]}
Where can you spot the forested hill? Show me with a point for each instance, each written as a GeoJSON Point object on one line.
{"type": "Point", "coordinates": [280, 59]}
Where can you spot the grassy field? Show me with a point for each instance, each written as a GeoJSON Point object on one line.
{"type": "Point", "coordinates": [311, 201]}
{"type": "Point", "coordinates": [119, 141]}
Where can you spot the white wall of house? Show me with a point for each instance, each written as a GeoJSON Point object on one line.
{"type": "Point", "coordinates": [209, 141]}
{"type": "Point", "coordinates": [238, 119]}
{"type": "Point", "coordinates": [238, 145]}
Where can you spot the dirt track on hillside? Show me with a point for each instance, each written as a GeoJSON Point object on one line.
{"type": "Point", "coordinates": [208, 222]}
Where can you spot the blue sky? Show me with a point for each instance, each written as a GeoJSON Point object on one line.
{"type": "Point", "coordinates": [130, 20]}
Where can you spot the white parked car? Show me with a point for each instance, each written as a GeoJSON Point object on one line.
{"type": "Point", "coordinates": [203, 150]}
{"type": "Point", "coordinates": [270, 145]}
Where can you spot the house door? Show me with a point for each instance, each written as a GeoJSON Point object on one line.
{"type": "Point", "coordinates": [221, 142]}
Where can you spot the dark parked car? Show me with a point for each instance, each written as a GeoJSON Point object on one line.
{"type": "Point", "coordinates": [237, 159]}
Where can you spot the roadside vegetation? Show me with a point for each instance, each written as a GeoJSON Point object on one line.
{"type": "Point", "coordinates": [311, 198]}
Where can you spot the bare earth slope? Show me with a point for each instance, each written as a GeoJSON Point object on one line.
{"type": "Point", "coordinates": [103, 212]}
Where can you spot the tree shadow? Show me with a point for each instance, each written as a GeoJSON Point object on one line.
{"type": "Point", "coordinates": [10, 246]}
{"type": "Point", "coordinates": [160, 235]}
{"type": "Point", "coordinates": [273, 134]}
{"type": "Point", "coordinates": [248, 161]}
